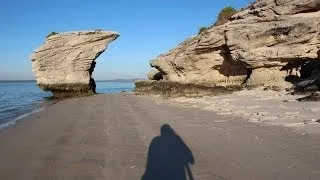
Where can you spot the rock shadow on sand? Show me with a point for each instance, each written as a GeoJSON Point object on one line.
{"type": "Point", "coordinates": [168, 157]}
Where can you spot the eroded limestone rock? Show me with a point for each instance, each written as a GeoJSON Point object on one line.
{"type": "Point", "coordinates": [65, 62]}
{"type": "Point", "coordinates": [263, 44]}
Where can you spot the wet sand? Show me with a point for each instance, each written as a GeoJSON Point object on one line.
{"type": "Point", "coordinates": [108, 137]}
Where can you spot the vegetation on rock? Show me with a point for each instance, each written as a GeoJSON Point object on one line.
{"type": "Point", "coordinates": [225, 15]}
{"type": "Point", "coordinates": [51, 34]}
{"type": "Point", "coordinates": [202, 29]}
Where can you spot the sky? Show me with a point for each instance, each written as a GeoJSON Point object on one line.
{"type": "Point", "coordinates": [147, 28]}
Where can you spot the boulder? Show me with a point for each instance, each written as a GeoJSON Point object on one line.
{"type": "Point", "coordinates": [65, 62]}
{"type": "Point", "coordinates": [262, 44]}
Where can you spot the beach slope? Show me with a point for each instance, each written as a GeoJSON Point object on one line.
{"type": "Point", "coordinates": [108, 137]}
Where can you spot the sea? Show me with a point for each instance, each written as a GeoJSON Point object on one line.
{"type": "Point", "coordinates": [19, 99]}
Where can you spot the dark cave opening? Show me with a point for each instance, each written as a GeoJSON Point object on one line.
{"type": "Point", "coordinates": [301, 70]}
{"type": "Point", "coordinates": [92, 83]}
{"type": "Point", "coordinates": [249, 73]}
{"type": "Point", "coordinates": [158, 76]}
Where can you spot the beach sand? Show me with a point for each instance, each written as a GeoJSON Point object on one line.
{"type": "Point", "coordinates": [108, 137]}
{"type": "Point", "coordinates": [277, 108]}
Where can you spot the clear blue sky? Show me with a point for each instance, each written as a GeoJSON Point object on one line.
{"type": "Point", "coordinates": [147, 27]}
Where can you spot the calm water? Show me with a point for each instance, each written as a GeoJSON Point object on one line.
{"type": "Point", "coordinates": [19, 99]}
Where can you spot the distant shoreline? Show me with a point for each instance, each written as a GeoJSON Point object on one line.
{"type": "Point", "coordinates": [15, 81]}
{"type": "Point", "coordinates": [110, 80]}
{"type": "Point", "coordinates": [119, 80]}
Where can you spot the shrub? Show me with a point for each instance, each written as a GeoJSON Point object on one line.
{"type": "Point", "coordinates": [225, 15]}
{"type": "Point", "coordinates": [98, 30]}
{"type": "Point", "coordinates": [51, 34]}
{"type": "Point", "coordinates": [202, 29]}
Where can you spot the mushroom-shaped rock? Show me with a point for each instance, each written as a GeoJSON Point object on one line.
{"type": "Point", "coordinates": [65, 62]}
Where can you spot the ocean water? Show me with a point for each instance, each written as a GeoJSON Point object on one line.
{"type": "Point", "coordinates": [19, 99]}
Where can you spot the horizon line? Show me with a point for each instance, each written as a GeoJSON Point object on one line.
{"type": "Point", "coordinates": [8, 80]}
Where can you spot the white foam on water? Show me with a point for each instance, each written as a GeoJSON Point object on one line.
{"type": "Point", "coordinates": [10, 123]}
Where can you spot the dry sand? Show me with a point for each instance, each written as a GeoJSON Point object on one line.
{"type": "Point", "coordinates": [269, 107]}
{"type": "Point", "coordinates": [108, 137]}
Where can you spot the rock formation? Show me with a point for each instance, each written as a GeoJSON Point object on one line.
{"type": "Point", "coordinates": [65, 62]}
{"type": "Point", "coordinates": [155, 74]}
{"type": "Point", "coordinates": [269, 43]}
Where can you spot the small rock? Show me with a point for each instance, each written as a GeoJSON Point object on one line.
{"type": "Point", "coordinates": [312, 97]}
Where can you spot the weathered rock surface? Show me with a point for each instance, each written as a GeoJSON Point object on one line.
{"type": "Point", "coordinates": [315, 96]}
{"type": "Point", "coordinates": [65, 62]}
{"type": "Point", "coordinates": [171, 88]}
{"type": "Point", "coordinates": [268, 44]}
{"type": "Point", "coordinates": [155, 74]}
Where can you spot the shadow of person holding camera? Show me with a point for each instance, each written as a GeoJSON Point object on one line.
{"type": "Point", "coordinates": [168, 157]}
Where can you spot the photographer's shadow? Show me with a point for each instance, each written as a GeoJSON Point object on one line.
{"type": "Point", "coordinates": [168, 157]}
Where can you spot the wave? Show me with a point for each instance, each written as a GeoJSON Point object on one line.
{"type": "Point", "coordinates": [10, 123]}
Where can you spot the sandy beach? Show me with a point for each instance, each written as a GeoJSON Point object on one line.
{"type": "Point", "coordinates": [152, 90]}
{"type": "Point", "coordinates": [278, 108]}
{"type": "Point", "coordinates": [109, 136]}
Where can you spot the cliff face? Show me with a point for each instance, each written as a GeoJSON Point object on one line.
{"type": "Point", "coordinates": [65, 62]}
{"type": "Point", "coordinates": [270, 43]}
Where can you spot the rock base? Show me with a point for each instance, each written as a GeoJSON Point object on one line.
{"type": "Point", "coordinates": [312, 97]}
{"type": "Point", "coordinates": [68, 90]}
{"type": "Point", "coordinates": [170, 88]}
